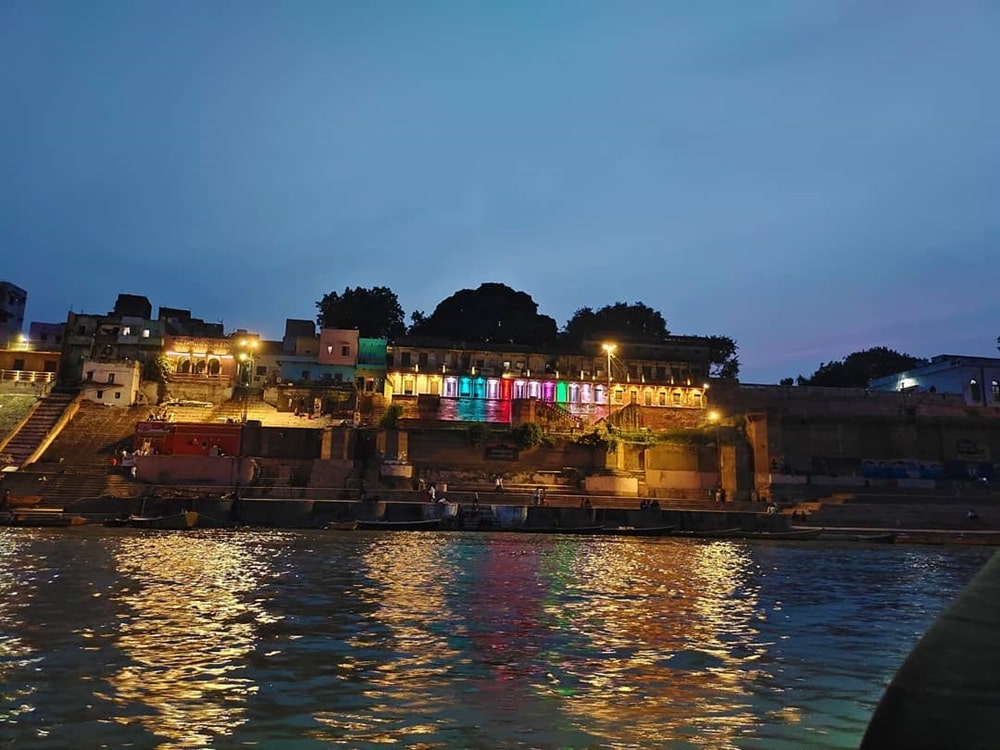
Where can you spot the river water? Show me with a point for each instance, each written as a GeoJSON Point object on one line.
{"type": "Point", "coordinates": [310, 639]}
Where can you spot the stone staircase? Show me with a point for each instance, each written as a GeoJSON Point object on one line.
{"type": "Point", "coordinates": [78, 462]}
{"type": "Point", "coordinates": [33, 432]}
{"type": "Point", "coordinates": [902, 511]}
{"type": "Point", "coordinates": [556, 417]}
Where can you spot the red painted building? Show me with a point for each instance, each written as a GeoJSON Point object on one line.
{"type": "Point", "coordinates": [187, 438]}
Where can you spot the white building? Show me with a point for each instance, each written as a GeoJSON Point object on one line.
{"type": "Point", "coordinates": [976, 379]}
{"type": "Point", "coordinates": [111, 383]}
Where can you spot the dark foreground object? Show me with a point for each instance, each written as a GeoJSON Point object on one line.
{"type": "Point", "coordinates": [947, 692]}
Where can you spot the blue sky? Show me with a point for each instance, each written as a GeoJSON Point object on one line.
{"type": "Point", "coordinates": [809, 177]}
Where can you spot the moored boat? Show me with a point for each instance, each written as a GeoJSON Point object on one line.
{"type": "Point", "coordinates": [707, 533]}
{"type": "Point", "coordinates": [187, 519]}
{"type": "Point", "coordinates": [40, 518]}
{"type": "Point", "coordinates": [783, 534]}
{"type": "Point", "coordinates": [341, 525]}
{"type": "Point", "coordinates": [637, 530]}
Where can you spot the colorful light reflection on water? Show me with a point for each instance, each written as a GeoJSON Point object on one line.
{"type": "Point", "coordinates": [109, 637]}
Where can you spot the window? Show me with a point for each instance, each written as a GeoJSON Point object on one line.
{"type": "Point", "coordinates": [996, 391]}
{"type": "Point", "coordinates": [126, 331]}
{"type": "Point", "coordinates": [404, 359]}
{"type": "Point", "coordinates": [345, 351]}
{"type": "Point", "coordinates": [111, 377]}
{"type": "Point", "coordinates": [44, 337]}
{"type": "Point", "coordinates": [51, 365]}
{"type": "Point", "coordinates": [118, 394]}
{"type": "Point", "coordinates": [261, 370]}
{"type": "Point", "coordinates": [973, 390]}
{"type": "Point", "coordinates": [18, 364]}
{"type": "Point", "coordinates": [145, 333]}
{"type": "Point", "coordinates": [100, 394]}
{"type": "Point", "coordinates": [422, 359]}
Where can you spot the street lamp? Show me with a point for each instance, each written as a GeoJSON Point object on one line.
{"type": "Point", "coordinates": [714, 417]}
{"type": "Point", "coordinates": [609, 349]}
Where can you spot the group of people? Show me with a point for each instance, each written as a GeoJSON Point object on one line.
{"type": "Point", "coordinates": [649, 504]}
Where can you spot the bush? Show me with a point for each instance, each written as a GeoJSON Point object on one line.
{"type": "Point", "coordinates": [527, 435]}
{"type": "Point", "coordinates": [390, 419]}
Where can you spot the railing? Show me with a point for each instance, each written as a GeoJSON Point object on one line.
{"type": "Point", "coordinates": [28, 376]}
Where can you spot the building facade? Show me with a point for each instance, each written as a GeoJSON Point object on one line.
{"type": "Point", "coordinates": [13, 300]}
{"type": "Point", "coordinates": [112, 383]}
{"type": "Point", "coordinates": [976, 379]}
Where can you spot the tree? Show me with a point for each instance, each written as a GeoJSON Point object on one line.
{"type": "Point", "coordinates": [620, 321]}
{"type": "Point", "coordinates": [722, 359]}
{"type": "Point", "coordinates": [493, 313]}
{"type": "Point", "coordinates": [857, 369]}
{"type": "Point", "coordinates": [375, 312]}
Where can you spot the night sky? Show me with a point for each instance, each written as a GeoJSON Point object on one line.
{"type": "Point", "coordinates": [810, 178]}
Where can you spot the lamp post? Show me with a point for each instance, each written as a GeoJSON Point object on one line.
{"type": "Point", "coordinates": [714, 417]}
{"type": "Point", "coordinates": [245, 375]}
{"type": "Point", "coordinates": [609, 349]}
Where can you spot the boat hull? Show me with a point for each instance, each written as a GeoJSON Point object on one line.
{"type": "Point", "coordinates": [174, 522]}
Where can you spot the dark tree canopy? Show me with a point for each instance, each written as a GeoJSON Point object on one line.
{"type": "Point", "coordinates": [857, 369]}
{"type": "Point", "coordinates": [375, 312]}
{"type": "Point", "coordinates": [493, 313]}
{"type": "Point", "coordinates": [722, 359]}
{"type": "Point", "coordinates": [621, 321]}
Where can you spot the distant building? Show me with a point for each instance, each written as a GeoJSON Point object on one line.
{"type": "Point", "coordinates": [179, 322]}
{"type": "Point", "coordinates": [300, 337]}
{"type": "Point", "coordinates": [132, 305]}
{"type": "Point", "coordinates": [111, 383]}
{"type": "Point", "coordinates": [13, 300]}
{"type": "Point", "coordinates": [46, 335]}
{"type": "Point", "coordinates": [976, 379]}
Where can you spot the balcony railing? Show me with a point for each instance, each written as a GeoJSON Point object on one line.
{"type": "Point", "coordinates": [28, 376]}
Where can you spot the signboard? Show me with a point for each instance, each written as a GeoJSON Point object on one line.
{"type": "Point", "coordinates": [502, 453]}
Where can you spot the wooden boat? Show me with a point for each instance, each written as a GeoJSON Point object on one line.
{"type": "Point", "coordinates": [708, 533]}
{"type": "Point", "coordinates": [14, 502]}
{"type": "Point", "coordinates": [637, 530]}
{"type": "Point", "coordinates": [342, 525]}
{"type": "Point", "coordinates": [786, 534]}
{"type": "Point", "coordinates": [40, 518]}
{"type": "Point", "coordinates": [887, 537]}
{"type": "Point", "coordinates": [421, 524]}
{"type": "Point", "coordinates": [187, 519]}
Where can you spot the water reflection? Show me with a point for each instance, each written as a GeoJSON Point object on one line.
{"type": "Point", "coordinates": [315, 639]}
{"type": "Point", "coordinates": [185, 628]}
{"type": "Point", "coordinates": [17, 573]}
{"type": "Point", "coordinates": [669, 646]}
{"type": "Point", "coordinates": [402, 581]}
